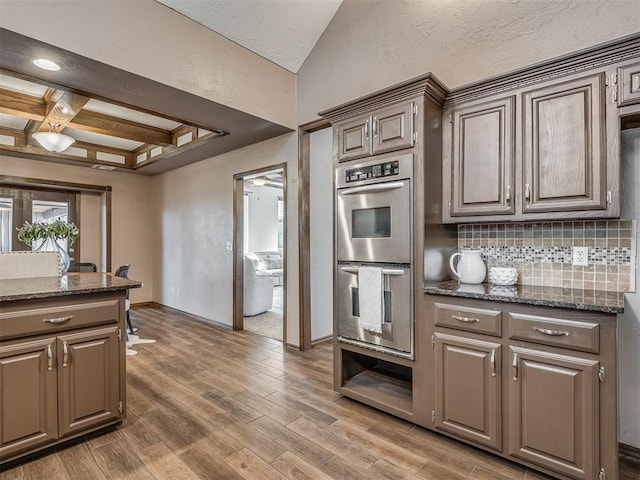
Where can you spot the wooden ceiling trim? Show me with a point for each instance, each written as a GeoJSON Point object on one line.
{"type": "Point", "coordinates": [21, 105]}
{"type": "Point", "coordinates": [60, 112]}
{"type": "Point", "coordinates": [118, 127]}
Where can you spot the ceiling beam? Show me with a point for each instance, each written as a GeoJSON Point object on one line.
{"type": "Point", "coordinates": [21, 105]}
{"type": "Point", "coordinates": [60, 112]}
{"type": "Point", "coordinates": [119, 127]}
{"type": "Point", "coordinates": [87, 152]}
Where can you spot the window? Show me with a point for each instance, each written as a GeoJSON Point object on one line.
{"type": "Point", "coordinates": [6, 223]}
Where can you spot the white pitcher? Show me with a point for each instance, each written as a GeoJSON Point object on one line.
{"type": "Point", "coordinates": [471, 268]}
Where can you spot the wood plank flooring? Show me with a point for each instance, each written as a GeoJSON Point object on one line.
{"type": "Point", "coordinates": [208, 403]}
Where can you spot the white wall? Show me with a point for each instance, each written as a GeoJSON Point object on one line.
{"type": "Point", "coordinates": [629, 322]}
{"type": "Point", "coordinates": [151, 40]}
{"type": "Point", "coordinates": [263, 218]}
{"type": "Point", "coordinates": [132, 240]}
{"type": "Point", "coordinates": [372, 44]}
{"type": "Point", "coordinates": [321, 233]}
{"type": "Point", "coordinates": [91, 223]}
{"type": "Point", "coordinates": [194, 212]}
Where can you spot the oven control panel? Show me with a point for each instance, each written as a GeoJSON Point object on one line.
{"type": "Point", "coordinates": [387, 169]}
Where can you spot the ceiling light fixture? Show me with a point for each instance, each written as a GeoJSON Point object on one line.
{"type": "Point", "coordinates": [258, 182]}
{"type": "Point", "coordinates": [46, 64]}
{"type": "Point", "coordinates": [53, 140]}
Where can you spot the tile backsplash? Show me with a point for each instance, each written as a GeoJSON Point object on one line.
{"type": "Point", "coordinates": [542, 252]}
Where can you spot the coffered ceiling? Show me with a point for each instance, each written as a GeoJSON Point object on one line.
{"type": "Point", "coordinates": [118, 119]}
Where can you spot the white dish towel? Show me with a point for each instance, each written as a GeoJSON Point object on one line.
{"type": "Point", "coordinates": [370, 288]}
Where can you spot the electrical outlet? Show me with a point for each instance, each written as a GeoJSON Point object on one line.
{"type": "Point", "coordinates": [580, 256]}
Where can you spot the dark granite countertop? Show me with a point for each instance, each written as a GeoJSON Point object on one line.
{"type": "Point", "coordinates": [70, 284]}
{"type": "Point", "coordinates": [591, 300]}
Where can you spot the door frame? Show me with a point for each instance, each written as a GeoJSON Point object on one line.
{"type": "Point", "coordinates": [238, 245]}
{"type": "Point", "coordinates": [304, 239]}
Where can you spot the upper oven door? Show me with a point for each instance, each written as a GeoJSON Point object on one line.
{"type": "Point", "coordinates": [374, 222]}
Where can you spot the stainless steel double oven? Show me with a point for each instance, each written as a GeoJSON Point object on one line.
{"type": "Point", "coordinates": [374, 206]}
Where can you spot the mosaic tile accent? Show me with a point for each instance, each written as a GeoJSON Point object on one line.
{"type": "Point", "coordinates": [542, 252]}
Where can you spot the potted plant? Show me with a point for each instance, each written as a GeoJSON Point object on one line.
{"type": "Point", "coordinates": [47, 236]}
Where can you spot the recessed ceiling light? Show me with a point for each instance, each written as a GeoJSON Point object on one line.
{"type": "Point", "coordinates": [46, 64]}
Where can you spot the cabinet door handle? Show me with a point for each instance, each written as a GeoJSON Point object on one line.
{"type": "Point", "coordinates": [57, 321]}
{"type": "Point", "coordinates": [514, 367]}
{"type": "Point", "coordinates": [65, 354]}
{"type": "Point", "coordinates": [49, 358]}
{"type": "Point", "coordinates": [375, 126]}
{"type": "Point", "coordinates": [493, 362]}
{"type": "Point", "coordinates": [465, 319]}
{"type": "Point", "coordinates": [527, 192]}
{"type": "Point", "coordinates": [366, 129]}
{"type": "Point", "coordinates": [553, 333]}
{"type": "Point", "coordinates": [508, 195]}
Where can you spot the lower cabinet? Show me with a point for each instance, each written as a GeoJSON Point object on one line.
{"type": "Point", "coordinates": [61, 370]}
{"type": "Point", "coordinates": [537, 385]}
{"type": "Point", "coordinates": [57, 386]}
{"type": "Point", "coordinates": [468, 389]}
{"type": "Point", "coordinates": [29, 396]}
{"type": "Point", "coordinates": [554, 414]}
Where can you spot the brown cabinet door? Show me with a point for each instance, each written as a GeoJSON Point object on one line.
{"type": "Point", "coordinates": [553, 411]}
{"type": "Point", "coordinates": [88, 379]}
{"type": "Point", "coordinates": [629, 84]}
{"type": "Point", "coordinates": [28, 399]}
{"type": "Point", "coordinates": [354, 138]}
{"type": "Point", "coordinates": [564, 146]}
{"type": "Point", "coordinates": [392, 128]}
{"type": "Point", "coordinates": [468, 389]}
{"type": "Point", "coordinates": [483, 158]}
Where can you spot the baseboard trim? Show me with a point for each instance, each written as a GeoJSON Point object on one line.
{"type": "Point", "coordinates": [322, 339]}
{"type": "Point", "coordinates": [629, 453]}
{"type": "Point", "coordinates": [143, 304]}
{"type": "Point", "coordinates": [192, 316]}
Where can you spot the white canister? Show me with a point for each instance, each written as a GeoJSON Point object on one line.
{"type": "Point", "coordinates": [471, 268]}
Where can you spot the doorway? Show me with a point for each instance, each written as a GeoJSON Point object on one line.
{"type": "Point", "coordinates": [260, 252]}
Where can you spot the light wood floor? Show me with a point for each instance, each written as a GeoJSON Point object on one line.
{"type": "Point", "coordinates": [209, 403]}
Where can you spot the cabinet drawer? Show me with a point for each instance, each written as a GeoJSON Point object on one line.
{"type": "Point", "coordinates": [468, 319]}
{"type": "Point", "coordinates": [38, 321]}
{"type": "Point", "coordinates": [629, 84]}
{"type": "Point", "coordinates": [571, 334]}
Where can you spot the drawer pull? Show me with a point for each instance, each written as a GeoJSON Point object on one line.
{"type": "Point", "coordinates": [553, 333]}
{"type": "Point", "coordinates": [65, 354]}
{"type": "Point", "coordinates": [514, 367]}
{"type": "Point", "coordinates": [493, 362]}
{"type": "Point", "coordinates": [465, 319]}
{"type": "Point", "coordinates": [49, 358]}
{"type": "Point", "coordinates": [57, 321]}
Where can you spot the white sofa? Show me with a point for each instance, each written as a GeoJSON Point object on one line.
{"type": "Point", "coordinates": [258, 290]}
{"type": "Point", "coordinates": [267, 263]}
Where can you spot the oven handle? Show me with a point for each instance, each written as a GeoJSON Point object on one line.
{"type": "Point", "coordinates": [377, 187]}
{"type": "Point", "coordinates": [385, 271]}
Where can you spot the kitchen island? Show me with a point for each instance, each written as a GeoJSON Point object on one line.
{"type": "Point", "coordinates": [62, 359]}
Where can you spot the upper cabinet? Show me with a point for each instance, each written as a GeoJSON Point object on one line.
{"type": "Point", "coordinates": [564, 146]}
{"type": "Point", "coordinates": [482, 158]}
{"type": "Point", "coordinates": [628, 81]}
{"type": "Point", "coordinates": [384, 130]}
{"type": "Point", "coordinates": [542, 142]}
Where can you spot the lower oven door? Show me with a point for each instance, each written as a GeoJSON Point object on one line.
{"type": "Point", "coordinates": [397, 327]}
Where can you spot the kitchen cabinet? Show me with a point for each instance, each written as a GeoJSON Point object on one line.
{"type": "Point", "coordinates": [61, 368]}
{"type": "Point", "coordinates": [564, 146]}
{"type": "Point", "coordinates": [482, 158]}
{"type": "Point", "coordinates": [382, 130]}
{"type": "Point", "coordinates": [468, 389]}
{"type": "Point", "coordinates": [534, 384]}
{"type": "Point", "coordinates": [553, 411]}
{"type": "Point", "coordinates": [541, 143]}
{"type": "Point", "coordinates": [28, 398]}
{"type": "Point", "coordinates": [628, 81]}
